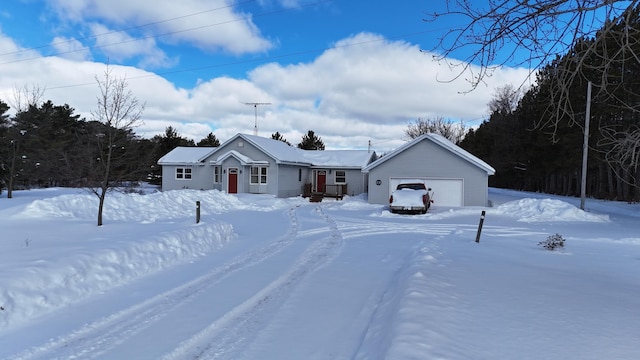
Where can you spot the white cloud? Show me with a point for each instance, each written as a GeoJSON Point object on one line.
{"type": "Point", "coordinates": [11, 52]}
{"type": "Point", "coordinates": [71, 49]}
{"type": "Point", "coordinates": [367, 88]}
{"type": "Point", "coordinates": [194, 22]}
{"type": "Point", "coordinates": [119, 46]}
{"type": "Point", "coordinates": [366, 79]}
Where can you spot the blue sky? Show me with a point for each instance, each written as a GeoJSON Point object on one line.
{"type": "Point", "coordinates": [352, 71]}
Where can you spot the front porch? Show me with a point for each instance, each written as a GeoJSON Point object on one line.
{"type": "Point", "coordinates": [336, 191]}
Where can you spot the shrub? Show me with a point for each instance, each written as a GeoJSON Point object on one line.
{"type": "Point", "coordinates": [552, 242]}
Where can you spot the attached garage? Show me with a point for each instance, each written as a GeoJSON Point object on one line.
{"type": "Point", "coordinates": [456, 177]}
{"type": "Point", "coordinates": [447, 192]}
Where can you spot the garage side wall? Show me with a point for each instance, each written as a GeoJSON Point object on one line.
{"type": "Point", "coordinates": [428, 160]}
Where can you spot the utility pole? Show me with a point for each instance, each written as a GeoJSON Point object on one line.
{"type": "Point", "coordinates": [255, 107]}
{"type": "Point", "coordinates": [585, 149]}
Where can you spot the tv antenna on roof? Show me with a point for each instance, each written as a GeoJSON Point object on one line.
{"type": "Point", "coordinates": [255, 107]}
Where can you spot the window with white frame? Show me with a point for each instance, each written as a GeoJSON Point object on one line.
{"type": "Point", "coordinates": [217, 174]}
{"type": "Point", "coordinates": [341, 176]}
{"type": "Point", "coordinates": [183, 173]}
{"type": "Point", "coordinates": [258, 175]}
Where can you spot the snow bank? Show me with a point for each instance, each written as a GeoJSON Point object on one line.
{"type": "Point", "coordinates": [525, 210]}
{"type": "Point", "coordinates": [43, 285]}
{"type": "Point", "coordinates": [538, 210]}
{"type": "Point", "coordinates": [159, 206]}
{"type": "Point", "coordinates": [125, 248]}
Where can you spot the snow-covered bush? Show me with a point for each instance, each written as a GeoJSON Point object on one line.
{"type": "Point", "coordinates": [552, 242]}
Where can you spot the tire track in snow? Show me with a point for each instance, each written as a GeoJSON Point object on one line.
{"type": "Point", "coordinates": [227, 337]}
{"type": "Point", "coordinates": [351, 229]}
{"type": "Point", "coordinates": [383, 305]}
{"type": "Point", "coordinates": [97, 338]}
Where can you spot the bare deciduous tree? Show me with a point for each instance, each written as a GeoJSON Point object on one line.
{"type": "Point", "coordinates": [505, 99]}
{"type": "Point", "coordinates": [532, 34]}
{"type": "Point", "coordinates": [579, 41]}
{"type": "Point", "coordinates": [437, 125]}
{"type": "Point", "coordinates": [26, 96]}
{"type": "Point", "coordinates": [528, 33]}
{"type": "Point", "coordinates": [623, 153]}
{"type": "Point", "coordinates": [119, 111]}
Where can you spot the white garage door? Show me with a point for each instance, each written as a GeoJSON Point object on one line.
{"type": "Point", "coordinates": [446, 192]}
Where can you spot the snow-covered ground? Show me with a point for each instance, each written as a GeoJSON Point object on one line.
{"type": "Point", "coordinates": [266, 278]}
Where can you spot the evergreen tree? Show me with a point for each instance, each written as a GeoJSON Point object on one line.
{"type": "Point", "coordinates": [210, 140]}
{"type": "Point", "coordinates": [311, 142]}
{"type": "Point", "coordinates": [45, 146]}
{"type": "Point", "coordinates": [278, 136]}
{"type": "Point", "coordinates": [170, 140]}
{"type": "Point", "coordinates": [5, 144]}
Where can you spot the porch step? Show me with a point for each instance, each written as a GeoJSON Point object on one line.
{"type": "Point", "coordinates": [316, 197]}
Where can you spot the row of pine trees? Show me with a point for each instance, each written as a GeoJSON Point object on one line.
{"type": "Point", "coordinates": [536, 144]}
{"type": "Point", "coordinates": [49, 145]}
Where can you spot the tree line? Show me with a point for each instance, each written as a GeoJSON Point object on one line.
{"type": "Point", "coordinates": [46, 145]}
{"type": "Point", "coordinates": [49, 145]}
{"type": "Point", "coordinates": [537, 144]}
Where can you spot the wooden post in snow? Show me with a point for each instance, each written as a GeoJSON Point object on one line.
{"type": "Point", "coordinates": [197, 212]}
{"type": "Point", "coordinates": [480, 226]}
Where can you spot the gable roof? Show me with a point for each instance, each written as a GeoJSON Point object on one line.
{"type": "Point", "coordinates": [183, 155]}
{"type": "Point", "coordinates": [276, 149]}
{"type": "Point", "coordinates": [440, 141]}
{"type": "Point", "coordinates": [287, 154]}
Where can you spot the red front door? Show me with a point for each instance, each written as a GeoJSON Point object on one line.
{"type": "Point", "coordinates": [233, 181]}
{"type": "Point", "coordinates": [321, 181]}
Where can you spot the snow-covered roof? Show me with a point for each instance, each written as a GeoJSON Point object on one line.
{"type": "Point", "coordinates": [287, 154]}
{"type": "Point", "coordinates": [278, 150]}
{"type": "Point", "coordinates": [438, 140]}
{"type": "Point", "coordinates": [339, 158]}
{"type": "Point", "coordinates": [186, 155]}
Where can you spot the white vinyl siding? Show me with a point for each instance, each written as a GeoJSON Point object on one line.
{"type": "Point", "coordinates": [455, 180]}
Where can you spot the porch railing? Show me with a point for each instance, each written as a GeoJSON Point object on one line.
{"type": "Point", "coordinates": [335, 191]}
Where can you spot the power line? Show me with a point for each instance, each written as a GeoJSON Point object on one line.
{"type": "Point", "coordinates": [124, 30]}
{"type": "Point", "coordinates": [255, 60]}
{"type": "Point", "coordinates": [154, 36]}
